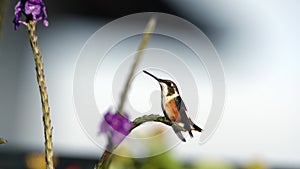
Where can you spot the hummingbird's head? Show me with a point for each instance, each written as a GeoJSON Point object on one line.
{"type": "Point", "coordinates": [168, 87]}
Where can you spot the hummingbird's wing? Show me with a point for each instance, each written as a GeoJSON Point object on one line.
{"type": "Point", "coordinates": [179, 134]}
{"type": "Point", "coordinates": [182, 110]}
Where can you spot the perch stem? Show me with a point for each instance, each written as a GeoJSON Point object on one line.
{"type": "Point", "coordinates": [106, 157]}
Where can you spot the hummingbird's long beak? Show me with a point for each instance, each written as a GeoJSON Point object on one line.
{"type": "Point", "coordinates": [152, 75]}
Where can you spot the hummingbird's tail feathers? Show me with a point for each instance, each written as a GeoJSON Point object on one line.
{"type": "Point", "coordinates": [195, 127]}
{"type": "Point", "coordinates": [179, 134]}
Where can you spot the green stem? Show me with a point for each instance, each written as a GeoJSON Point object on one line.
{"type": "Point", "coordinates": [155, 118]}
{"type": "Point", "coordinates": [147, 34]}
{"type": "Point", "coordinates": [39, 67]}
{"type": "Point", "coordinates": [107, 155]}
{"type": "Point", "coordinates": [105, 159]}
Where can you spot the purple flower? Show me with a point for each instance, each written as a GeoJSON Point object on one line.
{"type": "Point", "coordinates": [116, 126]}
{"type": "Point", "coordinates": [32, 9]}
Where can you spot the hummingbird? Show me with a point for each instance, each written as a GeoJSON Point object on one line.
{"type": "Point", "coordinates": [173, 107]}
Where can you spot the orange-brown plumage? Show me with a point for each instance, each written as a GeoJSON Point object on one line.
{"type": "Point", "coordinates": [171, 107]}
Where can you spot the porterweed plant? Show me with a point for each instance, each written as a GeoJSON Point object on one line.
{"type": "Point", "coordinates": [32, 12]}
{"type": "Point", "coordinates": [115, 125]}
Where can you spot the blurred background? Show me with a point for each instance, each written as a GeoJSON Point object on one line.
{"type": "Point", "coordinates": [258, 43]}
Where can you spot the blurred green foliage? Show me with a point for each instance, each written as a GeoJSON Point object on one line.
{"type": "Point", "coordinates": [162, 161]}
{"type": "Point", "coordinates": [257, 165]}
{"type": "Point", "coordinates": [3, 141]}
{"type": "Point", "coordinates": [168, 160]}
{"type": "Point", "coordinates": [213, 165]}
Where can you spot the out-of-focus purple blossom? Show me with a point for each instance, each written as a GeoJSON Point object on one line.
{"type": "Point", "coordinates": [32, 9]}
{"type": "Point", "coordinates": [116, 126]}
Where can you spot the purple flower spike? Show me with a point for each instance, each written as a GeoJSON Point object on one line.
{"type": "Point", "coordinates": [32, 9]}
{"type": "Point", "coordinates": [116, 126]}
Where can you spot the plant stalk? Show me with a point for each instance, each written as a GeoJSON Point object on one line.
{"type": "Point", "coordinates": [39, 67]}
{"type": "Point", "coordinates": [147, 34]}
{"type": "Point", "coordinates": [106, 157]}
